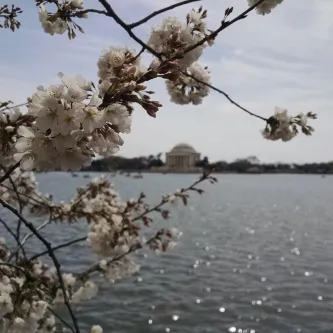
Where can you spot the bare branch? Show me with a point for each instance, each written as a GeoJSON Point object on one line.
{"type": "Point", "coordinates": [9, 172]}
{"type": "Point", "coordinates": [29, 235]}
{"type": "Point", "coordinates": [160, 11]}
{"type": "Point", "coordinates": [10, 231]}
{"type": "Point", "coordinates": [223, 26]}
{"type": "Point", "coordinates": [60, 319]}
{"type": "Point", "coordinates": [118, 20]}
{"type": "Point", "coordinates": [204, 177]}
{"type": "Point", "coordinates": [86, 11]}
{"type": "Point", "coordinates": [18, 228]}
{"type": "Point", "coordinates": [226, 96]}
{"type": "Point", "coordinates": [74, 241]}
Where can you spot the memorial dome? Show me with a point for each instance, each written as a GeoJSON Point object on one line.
{"type": "Point", "coordinates": [183, 148]}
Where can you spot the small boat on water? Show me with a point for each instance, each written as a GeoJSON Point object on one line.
{"type": "Point", "coordinates": [86, 176]}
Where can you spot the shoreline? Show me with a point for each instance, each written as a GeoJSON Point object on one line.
{"type": "Point", "coordinates": [287, 172]}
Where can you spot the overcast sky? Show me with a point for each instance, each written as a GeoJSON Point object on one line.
{"type": "Point", "coordinates": [283, 59]}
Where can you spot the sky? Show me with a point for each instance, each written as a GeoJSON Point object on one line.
{"type": "Point", "coordinates": [282, 59]}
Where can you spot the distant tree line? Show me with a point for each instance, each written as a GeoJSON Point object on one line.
{"type": "Point", "coordinates": [127, 164]}
{"type": "Point", "coordinates": [243, 165]}
{"type": "Point", "coordinates": [253, 165]}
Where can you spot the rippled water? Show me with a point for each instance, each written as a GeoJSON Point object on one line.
{"type": "Point", "coordinates": [255, 256]}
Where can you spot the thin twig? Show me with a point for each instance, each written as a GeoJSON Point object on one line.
{"type": "Point", "coordinates": [9, 172]}
{"type": "Point", "coordinates": [60, 319]}
{"type": "Point", "coordinates": [118, 20]}
{"type": "Point", "coordinates": [28, 196]}
{"type": "Point", "coordinates": [225, 95]}
{"type": "Point", "coordinates": [13, 266]}
{"type": "Point", "coordinates": [14, 236]}
{"type": "Point", "coordinates": [13, 107]}
{"type": "Point", "coordinates": [223, 26]}
{"type": "Point", "coordinates": [55, 260]}
{"type": "Point", "coordinates": [74, 241]}
{"type": "Point", "coordinates": [86, 11]}
{"type": "Point", "coordinates": [28, 235]}
{"type": "Point", "coordinates": [163, 201]}
{"type": "Point", "coordinates": [158, 12]}
{"type": "Point", "coordinates": [18, 228]}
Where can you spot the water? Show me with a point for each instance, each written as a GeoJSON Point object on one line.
{"type": "Point", "coordinates": [255, 256]}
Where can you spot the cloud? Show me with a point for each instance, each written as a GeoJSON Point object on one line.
{"type": "Point", "coordinates": [282, 59]}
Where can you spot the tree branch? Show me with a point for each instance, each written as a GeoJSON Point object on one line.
{"type": "Point", "coordinates": [13, 266]}
{"type": "Point", "coordinates": [74, 241]}
{"type": "Point", "coordinates": [60, 319]}
{"type": "Point", "coordinates": [10, 231]}
{"type": "Point", "coordinates": [204, 176]}
{"type": "Point", "coordinates": [28, 235]}
{"type": "Point", "coordinates": [158, 12]}
{"type": "Point", "coordinates": [86, 11]}
{"type": "Point", "coordinates": [226, 96]}
{"type": "Point", "coordinates": [18, 228]}
{"type": "Point", "coordinates": [118, 20]}
{"type": "Point", "coordinates": [9, 172]}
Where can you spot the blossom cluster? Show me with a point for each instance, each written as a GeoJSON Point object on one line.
{"type": "Point", "coordinates": [266, 6]}
{"type": "Point", "coordinates": [61, 21]}
{"type": "Point", "coordinates": [175, 39]}
{"type": "Point", "coordinates": [185, 89]}
{"type": "Point", "coordinates": [21, 189]}
{"type": "Point", "coordinates": [69, 128]}
{"type": "Point", "coordinates": [10, 121]}
{"type": "Point", "coordinates": [282, 126]}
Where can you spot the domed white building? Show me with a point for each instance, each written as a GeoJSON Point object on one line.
{"type": "Point", "coordinates": [181, 158]}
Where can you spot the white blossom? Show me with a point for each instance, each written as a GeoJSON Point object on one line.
{"type": "Point", "coordinates": [283, 126]}
{"type": "Point", "coordinates": [118, 63]}
{"type": "Point", "coordinates": [70, 127]}
{"type": "Point", "coordinates": [186, 90]}
{"type": "Point", "coordinates": [76, 4]}
{"type": "Point", "coordinates": [171, 31]}
{"type": "Point", "coordinates": [266, 6]}
{"type": "Point", "coordinates": [49, 24]}
{"type": "Point", "coordinates": [87, 291]}
{"type": "Point", "coordinates": [96, 329]}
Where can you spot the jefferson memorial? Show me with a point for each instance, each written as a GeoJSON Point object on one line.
{"type": "Point", "coordinates": [181, 158]}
